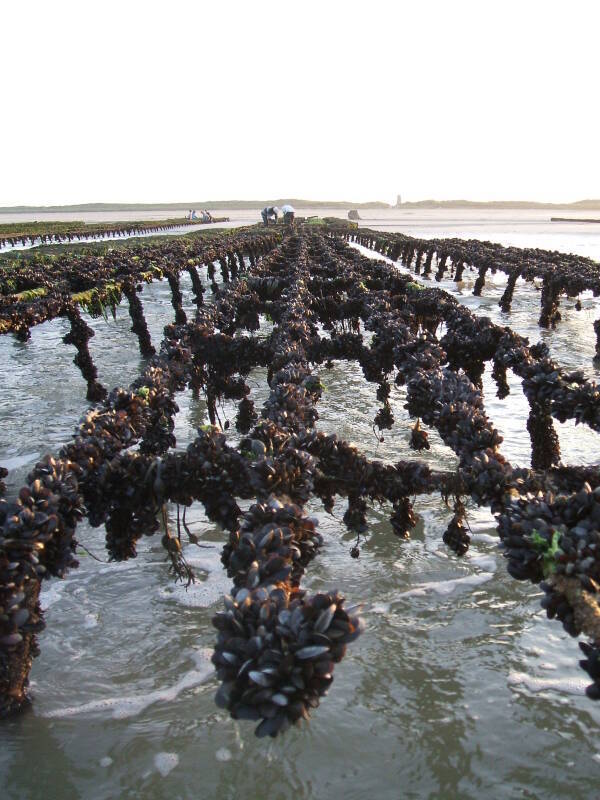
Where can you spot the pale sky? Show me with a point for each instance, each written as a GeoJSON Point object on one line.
{"type": "Point", "coordinates": [184, 101]}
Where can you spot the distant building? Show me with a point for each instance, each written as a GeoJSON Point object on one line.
{"type": "Point", "coordinates": [398, 200]}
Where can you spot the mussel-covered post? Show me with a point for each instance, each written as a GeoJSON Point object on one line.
{"type": "Point", "coordinates": [458, 271]}
{"type": "Point", "coordinates": [545, 446]}
{"type": "Point", "coordinates": [79, 336]}
{"type": "Point", "coordinates": [417, 264]}
{"type": "Point", "coordinates": [428, 262]}
{"type": "Point", "coordinates": [505, 301]}
{"type": "Point", "coordinates": [36, 540]}
{"type": "Point", "coordinates": [17, 647]}
{"type": "Point", "coordinates": [197, 286]}
{"type": "Point", "coordinates": [138, 326]}
{"type": "Point", "coordinates": [480, 282]}
{"type": "Point", "coordinates": [176, 297]}
{"type": "Point", "coordinates": [550, 314]}
{"type": "Point", "coordinates": [441, 268]}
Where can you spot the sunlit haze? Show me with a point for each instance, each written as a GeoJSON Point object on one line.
{"type": "Point", "coordinates": [165, 102]}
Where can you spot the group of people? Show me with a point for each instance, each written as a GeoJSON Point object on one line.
{"type": "Point", "coordinates": [271, 214]}
{"type": "Point", "coordinates": [205, 216]}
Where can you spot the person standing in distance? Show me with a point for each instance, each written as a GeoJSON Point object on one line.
{"type": "Point", "coordinates": [268, 213]}
{"type": "Point", "coordinates": [288, 214]}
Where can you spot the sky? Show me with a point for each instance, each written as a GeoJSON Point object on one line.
{"type": "Point", "coordinates": [185, 101]}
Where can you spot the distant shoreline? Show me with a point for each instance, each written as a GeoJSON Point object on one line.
{"type": "Point", "coordinates": [578, 205]}
{"type": "Point", "coordinates": [572, 219]}
{"type": "Point", "coordinates": [241, 205]}
{"type": "Point", "coordinates": [211, 205]}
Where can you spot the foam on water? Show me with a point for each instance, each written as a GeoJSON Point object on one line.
{"type": "Point", "coordinates": [486, 538]}
{"type": "Point", "coordinates": [447, 587]}
{"type": "Point", "coordinates": [537, 684]}
{"type": "Point", "coordinates": [484, 562]}
{"type": "Point", "coordinates": [130, 706]}
{"type": "Point", "coordinates": [51, 593]}
{"type": "Point", "coordinates": [204, 592]}
{"type": "Point", "coordinates": [166, 762]}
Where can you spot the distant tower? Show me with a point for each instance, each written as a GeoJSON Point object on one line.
{"type": "Point", "coordinates": [398, 200]}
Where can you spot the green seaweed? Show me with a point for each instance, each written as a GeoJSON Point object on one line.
{"type": "Point", "coordinates": [30, 294]}
{"type": "Point", "coordinates": [97, 302]}
{"type": "Point", "coordinates": [548, 550]}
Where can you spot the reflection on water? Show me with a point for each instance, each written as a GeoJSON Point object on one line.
{"type": "Point", "coordinates": [459, 686]}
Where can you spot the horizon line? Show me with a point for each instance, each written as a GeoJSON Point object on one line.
{"type": "Point", "coordinates": [117, 205]}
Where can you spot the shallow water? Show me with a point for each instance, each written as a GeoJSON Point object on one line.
{"type": "Point", "coordinates": [459, 687]}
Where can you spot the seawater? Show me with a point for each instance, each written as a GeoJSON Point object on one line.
{"type": "Point", "coordinates": [459, 688]}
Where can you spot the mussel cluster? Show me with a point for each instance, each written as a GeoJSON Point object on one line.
{"type": "Point", "coordinates": [418, 438]}
{"type": "Point", "coordinates": [276, 645]}
{"type": "Point", "coordinates": [279, 674]}
{"type": "Point", "coordinates": [403, 520]}
{"type": "Point", "coordinates": [551, 534]}
{"type": "Point", "coordinates": [455, 535]}
{"type": "Point", "coordinates": [36, 541]}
